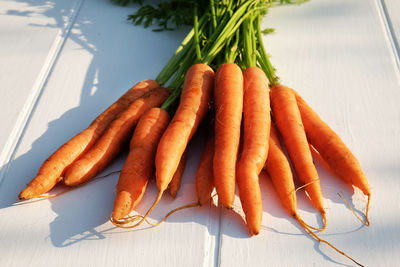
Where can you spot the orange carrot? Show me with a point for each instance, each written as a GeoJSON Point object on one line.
{"type": "Point", "coordinates": [332, 149]}
{"type": "Point", "coordinates": [204, 179]}
{"type": "Point", "coordinates": [204, 186]}
{"type": "Point", "coordinates": [278, 168]}
{"type": "Point", "coordinates": [256, 127]}
{"type": "Point", "coordinates": [115, 137]}
{"type": "Point", "coordinates": [139, 164]}
{"type": "Point", "coordinates": [204, 175]}
{"type": "Point", "coordinates": [194, 100]}
{"type": "Point", "coordinates": [196, 95]}
{"type": "Point", "coordinates": [52, 170]}
{"type": "Point", "coordinates": [288, 121]}
{"type": "Point", "coordinates": [228, 97]}
{"type": "Point", "coordinates": [175, 183]}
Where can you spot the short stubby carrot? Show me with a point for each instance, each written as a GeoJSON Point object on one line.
{"type": "Point", "coordinates": [114, 138]}
{"type": "Point", "coordinates": [193, 106]}
{"type": "Point", "coordinates": [332, 149]}
{"type": "Point", "coordinates": [256, 128]}
{"type": "Point", "coordinates": [204, 174]}
{"type": "Point", "coordinates": [139, 165]}
{"type": "Point", "coordinates": [228, 98]}
{"type": "Point", "coordinates": [53, 168]}
{"type": "Point", "coordinates": [176, 181]}
{"type": "Point", "coordinates": [288, 121]}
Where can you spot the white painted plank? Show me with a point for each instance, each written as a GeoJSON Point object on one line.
{"type": "Point", "coordinates": [338, 42]}
{"type": "Point", "coordinates": [103, 56]}
{"type": "Point", "coordinates": [336, 55]}
{"type": "Point", "coordinates": [390, 10]}
{"type": "Point", "coordinates": [31, 36]}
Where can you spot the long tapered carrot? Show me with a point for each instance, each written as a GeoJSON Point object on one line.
{"type": "Point", "coordinates": [332, 149]}
{"type": "Point", "coordinates": [256, 127]}
{"type": "Point", "coordinates": [111, 142]}
{"type": "Point", "coordinates": [288, 121]}
{"type": "Point", "coordinates": [194, 101]}
{"type": "Point", "coordinates": [175, 183]}
{"type": "Point", "coordinates": [139, 164]}
{"type": "Point", "coordinates": [278, 168]}
{"type": "Point", "coordinates": [204, 178]}
{"type": "Point", "coordinates": [204, 186]}
{"type": "Point", "coordinates": [228, 97]}
{"type": "Point", "coordinates": [53, 168]}
{"type": "Point", "coordinates": [195, 97]}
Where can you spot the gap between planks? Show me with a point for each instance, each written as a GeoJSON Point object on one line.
{"type": "Point", "coordinates": [15, 137]}
{"type": "Point", "coordinates": [390, 34]}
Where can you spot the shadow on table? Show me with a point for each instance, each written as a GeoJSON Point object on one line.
{"type": "Point", "coordinates": [116, 56]}
{"type": "Point", "coordinates": [117, 60]}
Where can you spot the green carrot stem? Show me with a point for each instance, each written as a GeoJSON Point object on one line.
{"type": "Point", "coordinates": [177, 83]}
{"type": "Point", "coordinates": [232, 51]}
{"type": "Point", "coordinates": [196, 31]}
{"type": "Point", "coordinates": [230, 28]}
{"type": "Point", "coordinates": [213, 15]}
{"type": "Point", "coordinates": [173, 64]}
{"type": "Point", "coordinates": [264, 58]}
{"type": "Point", "coordinates": [249, 56]}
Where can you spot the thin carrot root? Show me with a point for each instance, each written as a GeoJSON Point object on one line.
{"type": "Point", "coordinates": [313, 235]}
{"type": "Point", "coordinates": [129, 219]}
{"type": "Point", "coordinates": [121, 223]}
{"type": "Point", "coordinates": [323, 213]}
{"type": "Point", "coordinates": [317, 228]}
{"type": "Point", "coordinates": [142, 218]}
{"type": "Point", "coordinates": [187, 206]}
{"type": "Point", "coordinates": [192, 205]}
{"type": "Point", "coordinates": [366, 221]}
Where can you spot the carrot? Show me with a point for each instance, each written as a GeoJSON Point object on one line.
{"type": "Point", "coordinates": [204, 175]}
{"type": "Point", "coordinates": [256, 127]}
{"type": "Point", "coordinates": [139, 164]}
{"type": "Point", "coordinates": [278, 168]}
{"type": "Point", "coordinates": [111, 142]}
{"type": "Point", "coordinates": [288, 121]}
{"type": "Point", "coordinates": [228, 97]}
{"type": "Point", "coordinates": [175, 183]}
{"type": "Point", "coordinates": [53, 168]}
{"type": "Point", "coordinates": [204, 185]}
{"type": "Point", "coordinates": [332, 149]}
{"type": "Point", "coordinates": [194, 100]}
{"type": "Point", "coordinates": [192, 108]}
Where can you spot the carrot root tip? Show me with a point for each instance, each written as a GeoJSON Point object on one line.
{"type": "Point", "coordinates": [366, 221]}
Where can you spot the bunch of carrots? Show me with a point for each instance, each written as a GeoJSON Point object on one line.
{"type": "Point", "coordinates": [248, 112]}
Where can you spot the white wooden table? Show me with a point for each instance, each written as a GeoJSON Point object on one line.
{"type": "Point", "coordinates": [62, 62]}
